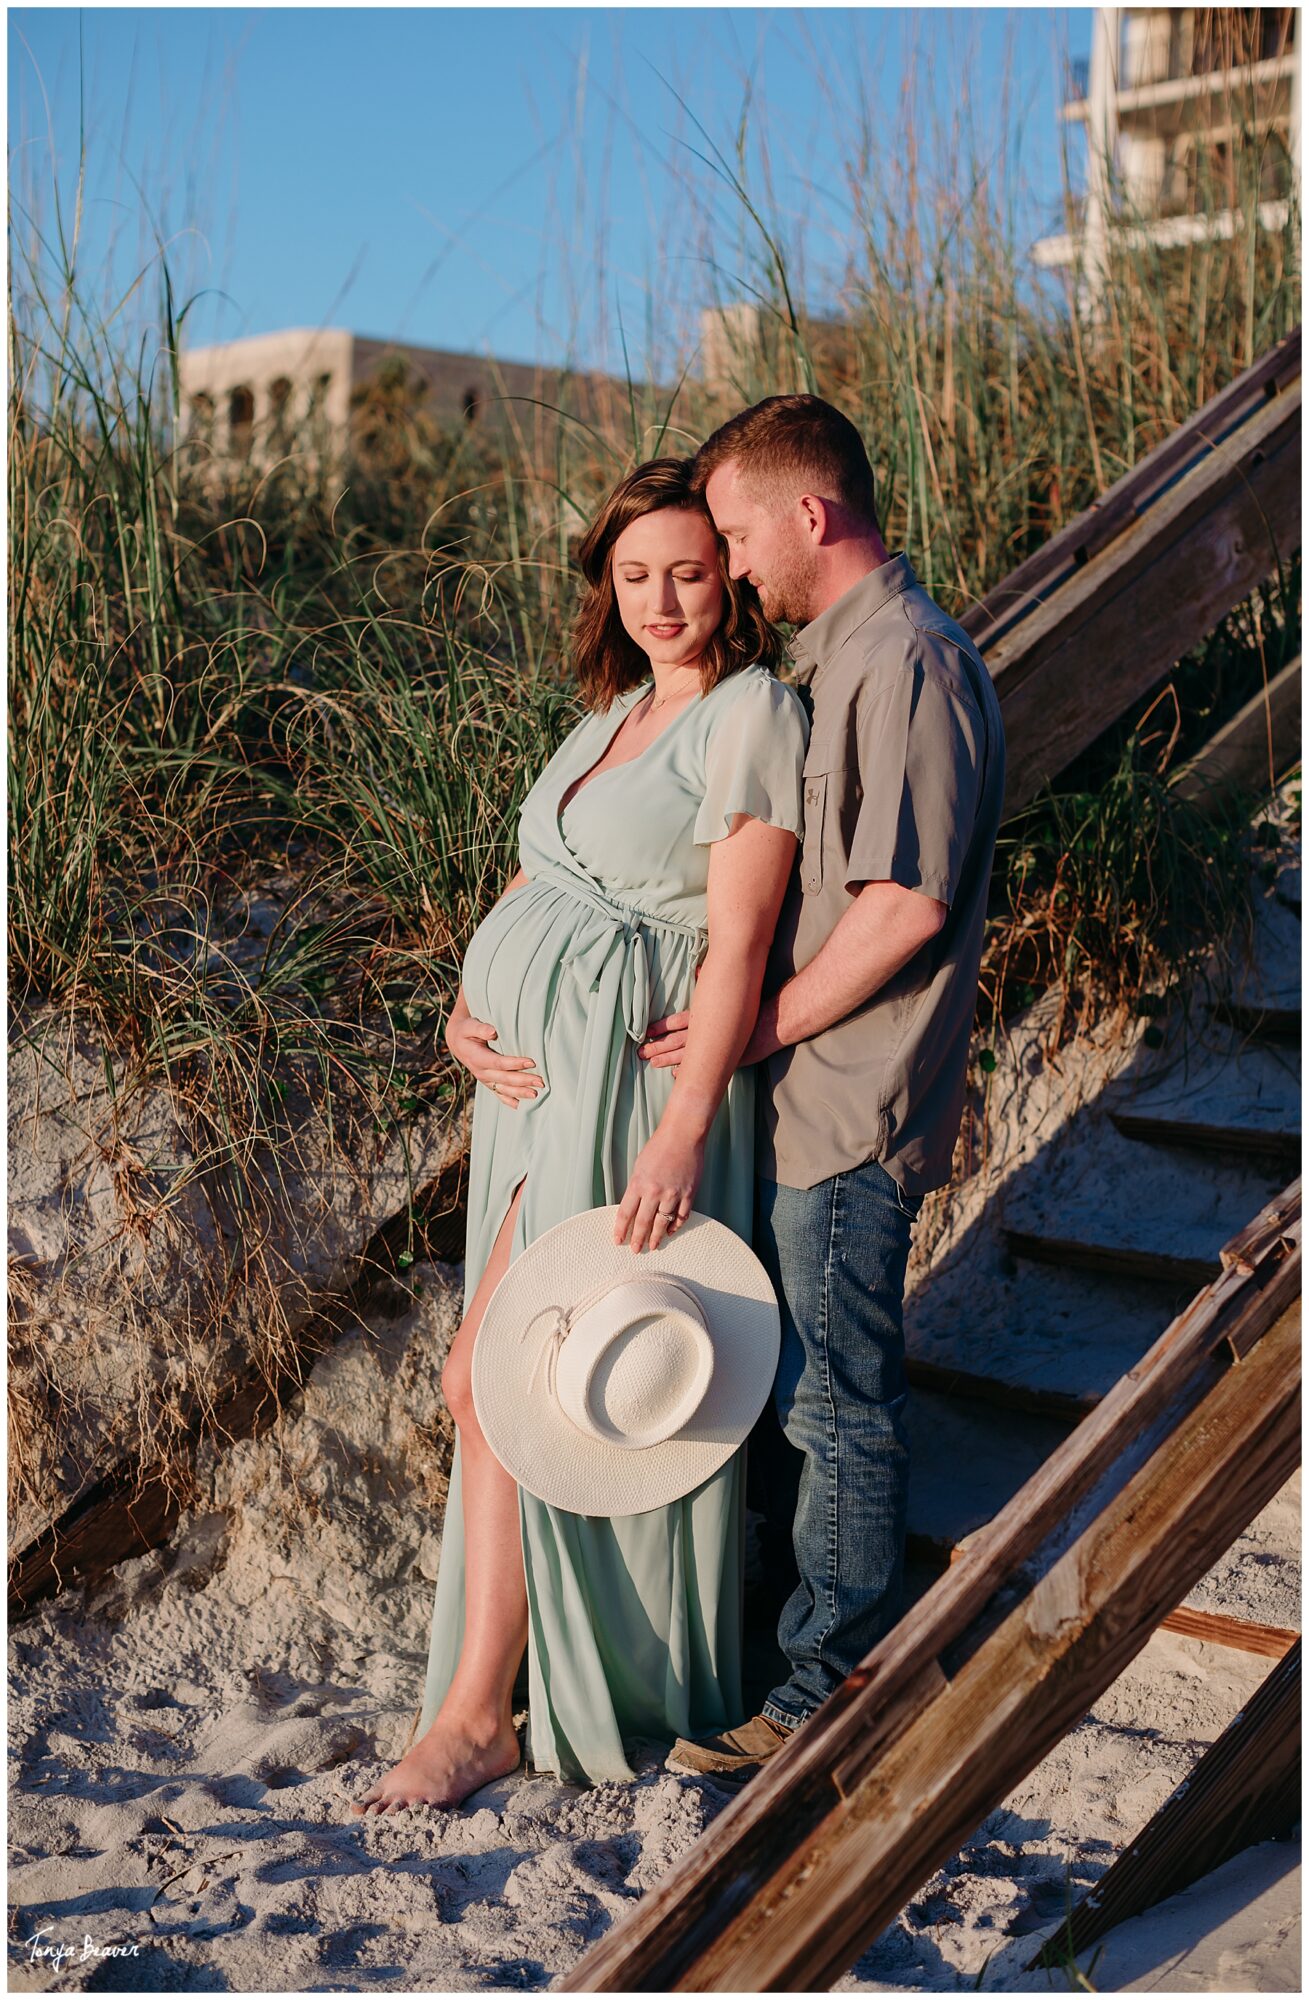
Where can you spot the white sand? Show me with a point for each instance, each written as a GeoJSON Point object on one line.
{"type": "Point", "coordinates": [184, 1748]}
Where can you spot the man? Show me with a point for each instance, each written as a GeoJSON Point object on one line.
{"type": "Point", "coordinates": [863, 1034]}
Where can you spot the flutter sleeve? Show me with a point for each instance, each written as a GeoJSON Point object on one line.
{"type": "Point", "coordinates": [754, 759]}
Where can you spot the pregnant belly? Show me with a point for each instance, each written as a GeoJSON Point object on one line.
{"type": "Point", "coordinates": [540, 946]}
{"type": "Point", "coordinates": [506, 972]}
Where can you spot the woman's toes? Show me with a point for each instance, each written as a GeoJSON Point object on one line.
{"type": "Point", "coordinates": [373, 1801]}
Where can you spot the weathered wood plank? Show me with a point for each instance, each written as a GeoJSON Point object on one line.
{"type": "Point", "coordinates": [771, 1901]}
{"type": "Point", "coordinates": [1245, 1788]}
{"type": "Point", "coordinates": [1253, 751]}
{"type": "Point", "coordinates": [1110, 632]}
{"type": "Point", "coordinates": [1016, 595]}
{"type": "Point", "coordinates": [1242, 1634]}
{"type": "Point", "coordinates": [1013, 1700]}
{"type": "Point", "coordinates": [1185, 506]}
{"type": "Point", "coordinates": [1072, 1254]}
{"type": "Point", "coordinates": [694, 1915]}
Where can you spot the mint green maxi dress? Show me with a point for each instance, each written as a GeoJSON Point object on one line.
{"type": "Point", "coordinates": [633, 1622]}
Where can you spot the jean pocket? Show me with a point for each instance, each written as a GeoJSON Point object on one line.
{"type": "Point", "coordinates": [908, 1204]}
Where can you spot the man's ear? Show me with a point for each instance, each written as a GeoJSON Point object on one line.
{"type": "Point", "coordinates": [815, 515]}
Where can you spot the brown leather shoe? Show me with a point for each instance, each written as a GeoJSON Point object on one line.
{"type": "Point", "coordinates": [733, 1754]}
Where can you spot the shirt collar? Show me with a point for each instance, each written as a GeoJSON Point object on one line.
{"type": "Point", "coordinates": [824, 636]}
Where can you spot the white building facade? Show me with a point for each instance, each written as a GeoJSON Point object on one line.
{"type": "Point", "coordinates": [1166, 98]}
{"type": "Point", "coordinates": [298, 389]}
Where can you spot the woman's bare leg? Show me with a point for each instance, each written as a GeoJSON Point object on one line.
{"type": "Point", "coordinates": [473, 1739]}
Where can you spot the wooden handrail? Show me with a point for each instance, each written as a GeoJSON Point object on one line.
{"type": "Point", "coordinates": [1123, 503]}
{"type": "Point", "coordinates": [1001, 1656]}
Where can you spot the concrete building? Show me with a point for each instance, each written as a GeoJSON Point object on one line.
{"type": "Point", "coordinates": [247, 399]}
{"type": "Point", "coordinates": [746, 351]}
{"type": "Point", "coordinates": [1166, 98]}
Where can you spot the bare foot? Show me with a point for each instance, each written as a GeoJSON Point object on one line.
{"type": "Point", "coordinates": [443, 1770]}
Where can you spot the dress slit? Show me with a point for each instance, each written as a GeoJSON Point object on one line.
{"type": "Point", "coordinates": [514, 1193]}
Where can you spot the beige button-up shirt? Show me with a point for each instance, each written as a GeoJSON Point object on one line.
{"type": "Point", "coordinates": [903, 782]}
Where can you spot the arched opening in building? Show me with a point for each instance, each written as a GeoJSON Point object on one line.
{"type": "Point", "coordinates": [240, 420]}
{"type": "Point", "coordinates": [472, 405]}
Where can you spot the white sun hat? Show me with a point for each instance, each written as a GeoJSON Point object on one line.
{"type": "Point", "coordinates": [610, 1381]}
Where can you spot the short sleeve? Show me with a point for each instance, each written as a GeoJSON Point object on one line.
{"type": "Point", "coordinates": [922, 755]}
{"type": "Point", "coordinates": [754, 759]}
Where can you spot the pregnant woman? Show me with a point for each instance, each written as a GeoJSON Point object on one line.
{"type": "Point", "coordinates": [655, 848]}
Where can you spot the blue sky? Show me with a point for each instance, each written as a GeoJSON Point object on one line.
{"type": "Point", "coordinates": [536, 182]}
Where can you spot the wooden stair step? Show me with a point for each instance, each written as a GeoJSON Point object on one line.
{"type": "Point", "coordinates": [1218, 1628]}
{"type": "Point", "coordinates": [1227, 1081]}
{"type": "Point", "coordinates": [967, 1460]}
{"type": "Point", "coordinates": [1072, 1253]}
{"type": "Point", "coordinates": [1102, 1203]}
{"type": "Point", "coordinates": [1036, 1338]}
{"type": "Point", "coordinates": [1196, 1135]}
{"type": "Point", "coordinates": [1267, 1023]}
{"type": "Point", "coordinates": [1063, 1405]}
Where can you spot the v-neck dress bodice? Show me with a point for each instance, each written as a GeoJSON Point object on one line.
{"type": "Point", "coordinates": [634, 1622]}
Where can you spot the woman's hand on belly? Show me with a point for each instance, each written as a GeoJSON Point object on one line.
{"type": "Point", "coordinates": [512, 1078]}
{"type": "Point", "coordinates": [660, 1190]}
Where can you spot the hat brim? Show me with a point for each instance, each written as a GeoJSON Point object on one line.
{"type": "Point", "coordinates": [531, 1436]}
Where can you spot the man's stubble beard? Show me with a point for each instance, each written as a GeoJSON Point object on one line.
{"type": "Point", "coordinates": [787, 598]}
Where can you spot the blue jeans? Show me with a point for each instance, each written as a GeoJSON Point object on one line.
{"type": "Point", "coordinates": [836, 1254]}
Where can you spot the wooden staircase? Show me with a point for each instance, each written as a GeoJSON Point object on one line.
{"type": "Point", "coordinates": [1099, 1242]}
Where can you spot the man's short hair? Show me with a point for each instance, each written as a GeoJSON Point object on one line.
{"type": "Point", "coordinates": [794, 441]}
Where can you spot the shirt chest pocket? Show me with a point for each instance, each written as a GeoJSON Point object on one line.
{"type": "Point", "coordinates": [832, 791]}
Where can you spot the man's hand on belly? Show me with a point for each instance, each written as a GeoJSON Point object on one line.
{"type": "Point", "coordinates": [666, 1040]}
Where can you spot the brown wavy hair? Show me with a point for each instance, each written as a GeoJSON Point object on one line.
{"type": "Point", "coordinates": [606, 659]}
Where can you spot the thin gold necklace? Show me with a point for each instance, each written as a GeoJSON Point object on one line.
{"type": "Point", "coordinates": [663, 698]}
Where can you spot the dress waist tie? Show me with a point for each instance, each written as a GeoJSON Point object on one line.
{"type": "Point", "coordinates": [623, 938]}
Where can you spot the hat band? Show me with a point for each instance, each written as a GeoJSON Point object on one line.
{"type": "Point", "coordinates": [592, 1325]}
